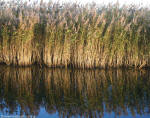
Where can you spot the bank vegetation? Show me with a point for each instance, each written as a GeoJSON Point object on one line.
{"type": "Point", "coordinates": [72, 35]}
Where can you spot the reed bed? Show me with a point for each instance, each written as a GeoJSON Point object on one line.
{"type": "Point", "coordinates": [72, 35]}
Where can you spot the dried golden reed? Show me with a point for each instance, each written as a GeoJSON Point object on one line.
{"type": "Point", "coordinates": [62, 35]}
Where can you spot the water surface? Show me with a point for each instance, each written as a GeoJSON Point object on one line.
{"type": "Point", "coordinates": [51, 93]}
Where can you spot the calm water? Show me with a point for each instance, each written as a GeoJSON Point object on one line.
{"type": "Point", "coordinates": [51, 93]}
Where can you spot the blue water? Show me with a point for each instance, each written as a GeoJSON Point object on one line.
{"type": "Point", "coordinates": [60, 93]}
{"type": "Point", "coordinates": [44, 114]}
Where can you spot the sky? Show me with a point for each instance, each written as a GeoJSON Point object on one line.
{"type": "Point", "coordinates": [121, 2]}
{"type": "Point", "coordinates": [108, 1]}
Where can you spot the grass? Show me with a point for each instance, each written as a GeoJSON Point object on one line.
{"type": "Point", "coordinates": [62, 35]}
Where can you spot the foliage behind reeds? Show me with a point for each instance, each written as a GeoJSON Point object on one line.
{"type": "Point", "coordinates": [74, 35]}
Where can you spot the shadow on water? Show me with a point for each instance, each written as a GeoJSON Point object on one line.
{"type": "Point", "coordinates": [86, 93]}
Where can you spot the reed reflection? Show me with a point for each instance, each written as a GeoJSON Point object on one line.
{"type": "Point", "coordinates": [87, 93]}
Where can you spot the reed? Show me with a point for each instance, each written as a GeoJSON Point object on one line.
{"type": "Point", "coordinates": [62, 35]}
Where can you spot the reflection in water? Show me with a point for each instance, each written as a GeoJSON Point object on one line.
{"type": "Point", "coordinates": [87, 93]}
